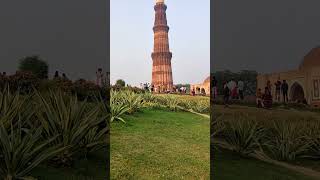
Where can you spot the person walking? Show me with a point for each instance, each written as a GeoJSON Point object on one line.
{"type": "Point", "coordinates": [284, 89]}
{"type": "Point", "coordinates": [241, 89]}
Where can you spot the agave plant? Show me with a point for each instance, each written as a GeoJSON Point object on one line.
{"type": "Point", "coordinates": [67, 116]}
{"type": "Point", "coordinates": [117, 112]}
{"type": "Point", "coordinates": [243, 135]}
{"type": "Point", "coordinates": [95, 140]}
{"type": "Point", "coordinates": [201, 107]}
{"type": "Point", "coordinates": [172, 103]}
{"type": "Point", "coordinates": [21, 150]}
{"type": "Point", "coordinates": [217, 127]}
{"type": "Point", "coordinates": [149, 97]}
{"type": "Point", "coordinates": [12, 105]}
{"type": "Point", "coordinates": [133, 101]}
{"type": "Point", "coordinates": [287, 140]}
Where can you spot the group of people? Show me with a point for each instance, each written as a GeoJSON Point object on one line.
{"type": "Point", "coordinates": [265, 99]}
{"type": "Point", "coordinates": [231, 90]}
{"type": "Point", "coordinates": [147, 87]}
{"type": "Point", "coordinates": [181, 90]}
{"type": "Point", "coordinates": [56, 75]}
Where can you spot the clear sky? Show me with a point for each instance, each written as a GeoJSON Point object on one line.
{"type": "Point", "coordinates": [71, 36]}
{"type": "Point", "coordinates": [266, 36]}
{"type": "Point", "coordinates": [132, 40]}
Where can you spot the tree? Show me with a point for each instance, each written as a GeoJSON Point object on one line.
{"type": "Point", "coordinates": [35, 65]}
{"type": "Point", "coordinates": [120, 83]}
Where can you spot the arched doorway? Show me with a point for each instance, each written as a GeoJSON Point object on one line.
{"type": "Point", "coordinates": [297, 93]}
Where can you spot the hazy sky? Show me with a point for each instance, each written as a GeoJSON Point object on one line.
{"type": "Point", "coordinates": [132, 40]}
{"type": "Point", "coordinates": [266, 36]}
{"type": "Point", "coordinates": [71, 35]}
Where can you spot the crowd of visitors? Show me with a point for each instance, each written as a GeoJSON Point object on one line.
{"type": "Point", "coordinates": [231, 90]}
{"type": "Point", "coordinates": [234, 90]}
{"type": "Point", "coordinates": [265, 99]}
{"type": "Point", "coordinates": [151, 88]}
{"type": "Point", "coordinates": [147, 87]}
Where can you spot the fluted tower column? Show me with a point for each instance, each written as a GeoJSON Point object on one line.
{"type": "Point", "coordinates": [161, 56]}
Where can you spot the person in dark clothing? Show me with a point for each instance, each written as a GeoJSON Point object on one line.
{"type": "Point", "coordinates": [284, 89]}
{"type": "Point", "coordinates": [267, 98]}
{"type": "Point", "coordinates": [214, 87]}
{"type": "Point", "coordinates": [4, 73]}
{"type": "Point", "coordinates": [193, 92]}
{"type": "Point", "coordinates": [278, 90]}
{"type": "Point", "coordinates": [64, 76]}
{"type": "Point", "coordinates": [56, 74]}
{"type": "Point", "coordinates": [226, 94]}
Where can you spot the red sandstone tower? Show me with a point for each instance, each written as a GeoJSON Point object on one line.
{"type": "Point", "coordinates": [161, 56]}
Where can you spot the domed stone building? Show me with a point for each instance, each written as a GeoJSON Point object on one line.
{"type": "Point", "coordinates": [303, 82]}
{"type": "Point", "coordinates": [203, 88]}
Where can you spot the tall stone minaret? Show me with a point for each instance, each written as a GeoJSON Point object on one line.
{"type": "Point", "coordinates": [161, 56]}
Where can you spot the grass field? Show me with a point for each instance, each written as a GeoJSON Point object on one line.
{"type": "Point", "coordinates": [159, 144]}
{"type": "Point", "coordinates": [229, 166]}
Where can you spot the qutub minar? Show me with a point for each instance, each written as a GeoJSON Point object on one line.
{"type": "Point", "coordinates": [161, 56]}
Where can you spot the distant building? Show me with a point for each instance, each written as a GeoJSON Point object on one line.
{"type": "Point", "coordinates": [303, 82]}
{"type": "Point", "coordinates": [202, 88]}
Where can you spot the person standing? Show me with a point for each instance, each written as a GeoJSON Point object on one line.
{"type": "Point", "coordinates": [232, 88]}
{"type": "Point", "coordinates": [193, 92]}
{"type": "Point", "coordinates": [56, 74]}
{"type": "Point", "coordinates": [278, 89]}
{"type": "Point", "coordinates": [269, 86]}
{"type": "Point", "coordinates": [241, 89]}
{"type": "Point", "coordinates": [267, 98]}
{"type": "Point", "coordinates": [284, 89]}
{"type": "Point", "coordinates": [259, 101]}
{"type": "Point", "coordinates": [226, 94]}
{"type": "Point", "coordinates": [214, 87]}
{"type": "Point", "coordinates": [99, 77]}
{"type": "Point", "coordinates": [64, 76]}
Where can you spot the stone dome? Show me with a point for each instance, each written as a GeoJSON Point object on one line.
{"type": "Point", "coordinates": [311, 59]}
{"type": "Point", "coordinates": [207, 80]}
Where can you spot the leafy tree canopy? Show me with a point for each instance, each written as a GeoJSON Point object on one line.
{"type": "Point", "coordinates": [120, 83]}
{"type": "Point", "coordinates": [35, 65]}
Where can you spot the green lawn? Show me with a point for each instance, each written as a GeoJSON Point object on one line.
{"type": "Point", "coordinates": [229, 166]}
{"type": "Point", "coordinates": [95, 168]}
{"type": "Point", "coordinates": [158, 144]}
